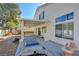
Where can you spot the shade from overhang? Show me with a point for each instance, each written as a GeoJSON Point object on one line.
{"type": "Point", "coordinates": [31, 23]}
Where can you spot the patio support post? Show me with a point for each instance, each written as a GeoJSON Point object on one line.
{"type": "Point", "coordinates": [20, 46]}
{"type": "Point", "coordinates": [22, 31]}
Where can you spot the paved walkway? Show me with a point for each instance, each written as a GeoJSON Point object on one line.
{"type": "Point", "coordinates": [51, 48]}
{"type": "Point", "coordinates": [54, 48]}
{"type": "Point", "coordinates": [7, 47]}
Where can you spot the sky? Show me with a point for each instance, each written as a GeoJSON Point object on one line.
{"type": "Point", "coordinates": [28, 9]}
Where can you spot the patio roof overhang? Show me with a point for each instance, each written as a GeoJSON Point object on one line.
{"type": "Point", "coordinates": [31, 23]}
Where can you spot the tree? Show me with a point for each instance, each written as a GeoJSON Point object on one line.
{"type": "Point", "coordinates": [8, 15]}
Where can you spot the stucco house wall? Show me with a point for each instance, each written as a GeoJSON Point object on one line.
{"type": "Point", "coordinates": [52, 11]}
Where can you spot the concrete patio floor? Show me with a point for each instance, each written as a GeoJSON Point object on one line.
{"type": "Point", "coordinates": [51, 48]}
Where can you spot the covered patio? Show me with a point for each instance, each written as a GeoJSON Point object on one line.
{"type": "Point", "coordinates": [28, 26]}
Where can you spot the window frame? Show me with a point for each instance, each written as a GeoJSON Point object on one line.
{"type": "Point", "coordinates": [65, 36]}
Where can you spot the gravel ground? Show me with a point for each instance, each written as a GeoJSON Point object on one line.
{"type": "Point", "coordinates": [7, 47]}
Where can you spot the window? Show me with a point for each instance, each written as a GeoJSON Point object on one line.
{"type": "Point", "coordinates": [65, 17]}
{"type": "Point", "coordinates": [70, 16]}
{"type": "Point", "coordinates": [65, 30]}
{"type": "Point", "coordinates": [68, 30]}
{"type": "Point", "coordinates": [60, 19]}
{"type": "Point", "coordinates": [42, 15]}
{"type": "Point", "coordinates": [44, 29]}
{"type": "Point", "coordinates": [58, 30]}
